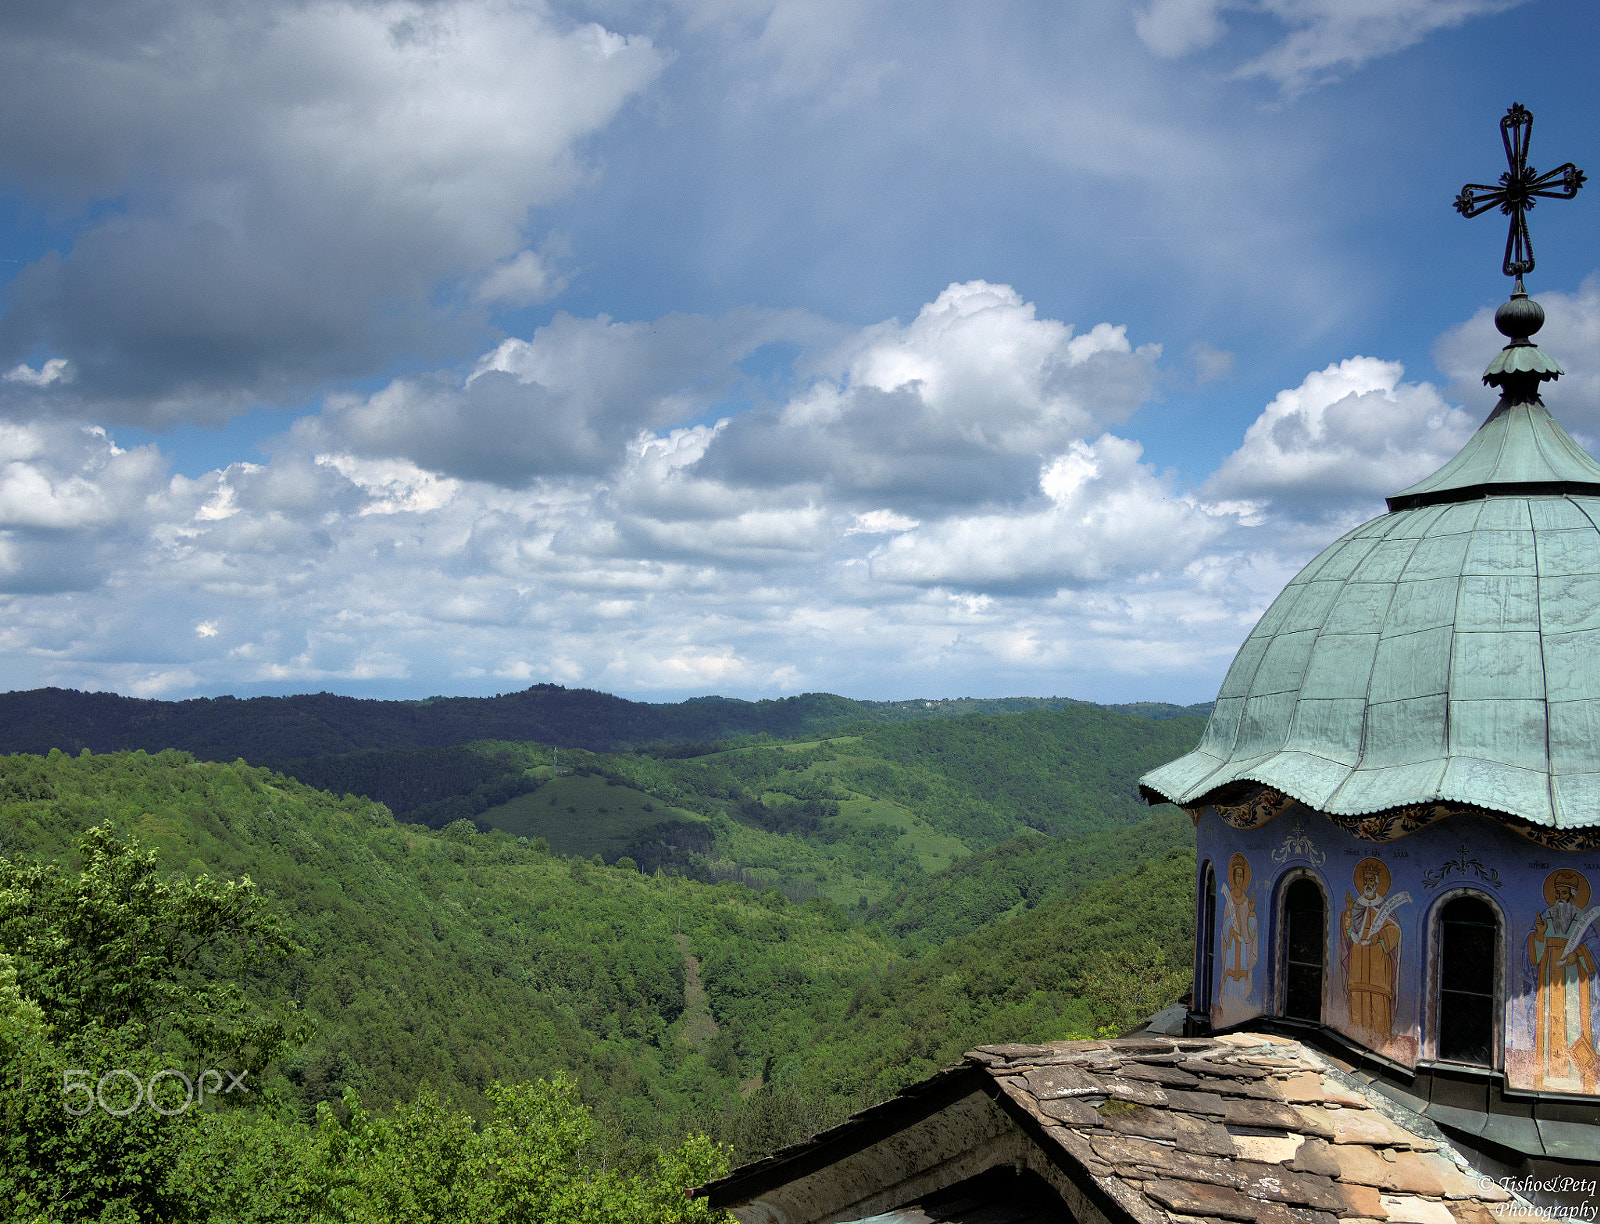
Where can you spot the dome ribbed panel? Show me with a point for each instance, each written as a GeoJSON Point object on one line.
{"type": "Point", "coordinates": [1449, 652]}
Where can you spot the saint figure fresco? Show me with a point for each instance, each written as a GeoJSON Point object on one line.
{"type": "Point", "coordinates": [1370, 950]}
{"type": "Point", "coordinates": [1563, 1025]}
{"type": "Point", "coordinates": [1240, 945]}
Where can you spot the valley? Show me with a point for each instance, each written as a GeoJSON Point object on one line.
{"type": "Point", "coordinates": [746, 942]}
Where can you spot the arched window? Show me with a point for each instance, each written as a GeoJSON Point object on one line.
{"type": "Point", "coordinates": [1469, 938]}
{"type": "Point", "coordinates": [1305, 940]}
{"type": "Point", "coordinates": [1206, 961]}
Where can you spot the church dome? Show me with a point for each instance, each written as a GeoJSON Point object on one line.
{"type": "Point", "coordinates": [1447, 651]}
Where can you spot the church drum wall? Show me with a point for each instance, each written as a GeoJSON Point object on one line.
{"type": "Point", "coordinates": [1382, 960]}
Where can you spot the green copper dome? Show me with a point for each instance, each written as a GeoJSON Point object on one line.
{"type": "Point", "coordinates": [1446, 651]}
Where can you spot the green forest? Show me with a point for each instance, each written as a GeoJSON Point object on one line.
{"type": "Point", "coordinates": [511, 979]}
{"type": "Point", "coordinates": [276, 730]}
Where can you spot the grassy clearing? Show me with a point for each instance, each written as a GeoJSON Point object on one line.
{"type": "Point", "coordinates": [583, 815]}
{"type": "Point", "coordinates": [933, 850]}
{"type": "Point", "coordinates": [836, 741]}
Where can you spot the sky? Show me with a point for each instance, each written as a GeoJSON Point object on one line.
{"type": "Point", "coordinates": [752, 347]}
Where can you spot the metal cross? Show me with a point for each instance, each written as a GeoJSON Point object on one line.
{"type": "Point", "coordinates": [1516, 191]}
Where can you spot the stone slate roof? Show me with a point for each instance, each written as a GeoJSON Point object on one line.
{"type": "Point", "coordinates": [1242, 1127]}
{"type": "Point", "coordinates": [1239, 1127]}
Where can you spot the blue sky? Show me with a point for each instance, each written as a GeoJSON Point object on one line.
{"type": "Point", "coordinates": [741, 346]}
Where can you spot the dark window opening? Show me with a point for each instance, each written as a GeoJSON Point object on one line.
{"type": "Point", "coordinates": [1468, 938]}
{"type": "Point", "coordinates": [1208, 942]}
{"type": "Point", "coordinates": [1305, 937]}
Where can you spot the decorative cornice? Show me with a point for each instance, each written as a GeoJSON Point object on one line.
{"type": "Point", "coordinates": [1263, 804]}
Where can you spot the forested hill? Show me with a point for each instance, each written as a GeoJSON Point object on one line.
{"type": "Point", "coordinates": [277, 730]}
{"type": "Point", "coordinates": [451, 959]}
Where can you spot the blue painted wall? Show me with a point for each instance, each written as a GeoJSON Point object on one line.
{"type": "Point", "coordinates": [1380, 984]}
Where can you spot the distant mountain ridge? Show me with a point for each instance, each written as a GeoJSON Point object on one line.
{"type": "Point", "coordinates": [277, 730]}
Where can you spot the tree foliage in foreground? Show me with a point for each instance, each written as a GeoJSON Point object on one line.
{"type": "Point", "coordinates": [116, 976]}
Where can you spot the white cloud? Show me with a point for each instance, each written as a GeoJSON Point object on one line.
{"type": "Point", "coordinates": [643, 565]}
{"type": "Point", "coordinates": [160, 683]}
{"type": "Point", "coordinates": [1327, 38]}
{"type": "Point", "coordinates": [290, 185]}
{"type": "Point", "coordinates": [952, 408]}
{"type": "Point", "coordinates": [979, 347]}
{"type": "Point", "coordinates": [394, 486]}
{"type": "Point", "coordinates": [926, 504]}
{"type": "Point", "coordinates": [881, 522]}
{"type": "Point", "coordinates": [1171, 28]}
{"type": "Point", "coordinates": [1337, 444]}
{"type": "Point", "coordinates": [1333, 37]}
{"type": "Point", "coordinates": [1108, 516]}
{"type": "Point", "coordinates": [522, 280]}
{"type": "Point", "coordinates": [57, 369]}
{"type": "Point", "coordinates": [63, 477]}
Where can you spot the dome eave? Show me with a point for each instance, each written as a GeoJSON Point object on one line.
{"type": "Point", "coordinates": [1447, 652]}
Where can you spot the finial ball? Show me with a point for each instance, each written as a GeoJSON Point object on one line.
{"type": "Point", "coordinates": [1520, 317]}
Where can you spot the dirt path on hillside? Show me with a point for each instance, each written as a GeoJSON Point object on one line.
{"type": "Point", "coordinates": [699, 1026]}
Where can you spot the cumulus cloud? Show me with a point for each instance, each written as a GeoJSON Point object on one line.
{"type": "Point", "coordinates": [289, 185]}
{"type": "Point", "coordinates": [568, 401]}
{"type": "Point", "coordinates": [70, 500]}
{"type": "Point", "coordinates": [667, 553]}
{"type": "Point", "coordinates": [524, 279]}
{"type": "Point", "coordinates": [1106, 515]}
{"type": "Point", "coordinates": [952, 408]}
{"type": "Point", "coordinates": [62, 477]}
{"type": "Point", "coordinates": [635, 558]}
{"type": "Point", "coordinates": [1340, 442]}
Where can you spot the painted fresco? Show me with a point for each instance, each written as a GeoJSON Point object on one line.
{"type": "Point", "coordinates": [1383, 900]}
{"type": "Point", "coordinates": [1369, 954]}
{"type": "Point", "coordinates": [1238, 948]}
{"type": "Point", "coordinates": [1563, 986]}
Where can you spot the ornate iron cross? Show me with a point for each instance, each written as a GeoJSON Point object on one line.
{"type": "Point", "coordinates": [1517, 190]}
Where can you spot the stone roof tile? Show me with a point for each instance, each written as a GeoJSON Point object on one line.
{"type": "Point", "coordinates": [1237, 1128]}
{"type": "Point", "coordinates": [1412, 1209]}
{"type": "Point", "coordinates": [1387, 1170]}
{"type": "Point", "coordinates": [1271, 1133]}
